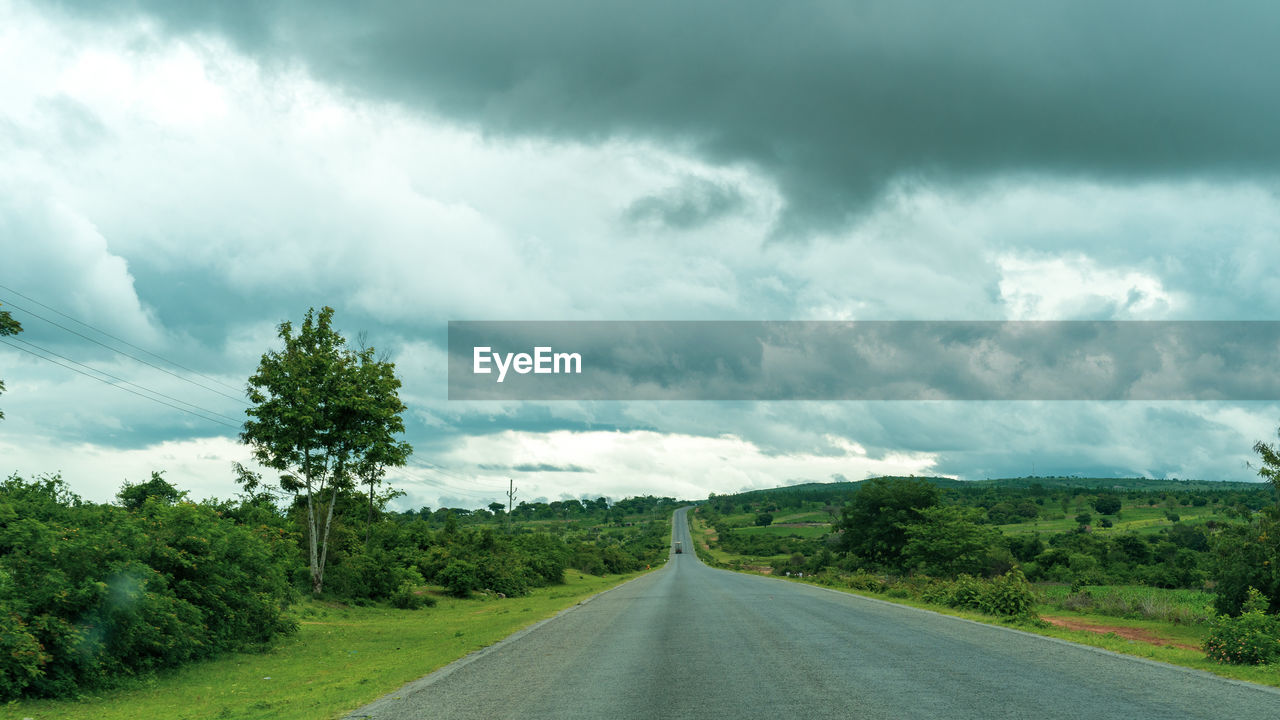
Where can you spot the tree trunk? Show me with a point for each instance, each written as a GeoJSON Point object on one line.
{"type": "Point", "coordinates": [369, 522]}
{"type": "Point", "coordinates": [324, 542]}
{"type": "Point", "coordinates": [316, 575]}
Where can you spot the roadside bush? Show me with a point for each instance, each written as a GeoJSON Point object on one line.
{"type": "Point", "coordinates": [1252, 638]}
{"type": "Point", "coordinates": [1244, 557]}
{"type": "Point", "coordinates": [966, 592]}
{"type": "Point", "coordinates": [1009, 595]}
{"type": "Point", "coordinates": [459, 578]}
{"type": "Point", "coordinates": [105, 592]}
{"type": "Point", "coordinates": [409, 595]}
{"type": "Point", "coordinates": [862, 580]}
{"type": "Point", "coordinates": [21, 655]}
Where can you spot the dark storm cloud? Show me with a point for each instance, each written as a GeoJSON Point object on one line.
{"type": "Point", "coordinates": [692, 204]}
{"type": "Point", "coordinates": [832, 100]}
{"type": "Point", "coordinates": [537, 467]}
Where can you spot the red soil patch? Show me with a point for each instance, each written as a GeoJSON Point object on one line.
{"type": "Point", "coordinates": [1128, 633]}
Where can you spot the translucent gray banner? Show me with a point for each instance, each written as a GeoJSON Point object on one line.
{"type": "Point", "coordinates": [865, 360]}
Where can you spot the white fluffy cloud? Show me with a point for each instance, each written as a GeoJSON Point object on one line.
{"type": "Point", "coordinates": [619, 464]}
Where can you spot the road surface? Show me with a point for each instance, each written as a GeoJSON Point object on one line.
{"type": "Point", "coordinates": [690, 641]}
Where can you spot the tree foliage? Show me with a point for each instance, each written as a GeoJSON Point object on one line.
{"type": "Point", "coordinates": [132, 496]}
{"type": "Point", "coordinates": [90, 594]}
{"type": "Point", "coordinates": [8, 326]}
{"type": "Point", "coordinates": [323, 415]}
{"type": "Point", "coordinates": [951, 540]}
{"type": "Point", "coordinates": [1107, 504]}
{"type": "Point", "coordinates": [1270, 455]}
{"type": "Point", "coordinates": [874, 522]}
{"type": "Point", "coordinates": [1251, 638]}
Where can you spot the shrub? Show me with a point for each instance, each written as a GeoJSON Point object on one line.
{"type": "Point", "coordinates": [1009, 595]}
{"type": "Point", "coordinates": [21, 656]}
{"type": "Point", "coordinates": [105, 593]}
{"type": "Point", "coordinates": [459, 577]}
{"type": "Point", "coordinates": [862, 580]}
{"type": "Point", "coordinates": [967, 592]}
{"type": "Point", "coordinates": [1253, 638]}
{"type": "Point", "coordinates": [409, 597]}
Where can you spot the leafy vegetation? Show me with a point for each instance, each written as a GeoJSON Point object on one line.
{"type": "Point", "coordinates": [95, 595]}
{"type": "Point", "coordinates": [341, 657]}
{"type": "Point", "coordinates": [1251, 638]}
{"type": "Point", "coordinates": [1182, 554]}
{"type": "Point", "coordinates": [91, 594]}
{"type": "Point", "coordinates": [324, 415]}
{"type": "Point", "coordinates": [8, 326]}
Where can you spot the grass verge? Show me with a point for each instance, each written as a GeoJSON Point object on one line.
{"type": "Point", "coordinates": [341, 658]}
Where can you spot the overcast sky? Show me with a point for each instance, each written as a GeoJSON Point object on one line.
{"type": "Point", "coordinates": [184, 177]}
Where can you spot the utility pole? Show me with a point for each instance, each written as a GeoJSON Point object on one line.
{"type": "Point", "coordinates": [511, 494]}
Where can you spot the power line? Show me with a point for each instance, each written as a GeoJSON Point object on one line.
{"type": "Point", "coordinates": [442, 471]}
{"type": "Point", "coordinates": [127, 382]}
{"type": "Point", "coordinates": [118, 350]}
{"type": "Point", "coordinates": [107, 382]}
{"type": "Point", "coordinates": [441, 485]}
{"type": "Point", "coordinates": [121, 340]}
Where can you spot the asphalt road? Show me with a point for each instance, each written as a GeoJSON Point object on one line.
{"type": "Point", "coordinates": [689, 641]}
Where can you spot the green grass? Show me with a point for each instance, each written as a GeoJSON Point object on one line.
{"type": "Point", "coordinates": [699, 531]}
{"type": "Point", "coordinates": [1180, 607]}
{"type": "Point", "coordinates": [804, 531]}
{"type": "Point", "coordinates": [802, 517]}
{"type": "Point", "coordinates": [341, 658]}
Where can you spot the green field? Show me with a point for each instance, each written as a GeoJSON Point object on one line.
{"type": "Point", "coordinates": [802, 517]}
{"type": "Point", "coordinates": [803, 531]}
{"type": "Point", "coordinates": [714, 555]}
{"type": "Point", "coordinates": [1178, 606]}
{"type": "Point", "coordinates": [1142, 519]}
{"type": "Point", "coordinates": [341, 658]}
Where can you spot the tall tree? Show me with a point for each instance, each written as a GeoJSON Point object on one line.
{"type": "Point", "coordinates": [874, 522]}
{"type": "Point", "coordinates": [377, 381]}
{"type": "Point", "coordinates": [8, 326]}
{"type": "Point", "coordinates": [321, 415]}
{"type": "Point", "coordinates": [1270, 469]}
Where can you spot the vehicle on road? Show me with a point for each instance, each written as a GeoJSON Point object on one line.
{"type": "Point", "coordinates": [679, 550]}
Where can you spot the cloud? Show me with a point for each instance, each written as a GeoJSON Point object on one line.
{"type": "Point", "coordinates": [63, 249]}
{"type": "Point", "coordinates": [187, 176]}
{"type": "Point", "coordinates": [536, 467]}
{"type": "Point", "coordinates": [1074, 286]}
{"type": "Point", "coordinates": [831, 101]}
{"type": "Point", "coordinates": [694, 203]}
{"type": "Point", "coordinates": [201, 466]}
{"type": "Point", "coordinates": [644, 462]}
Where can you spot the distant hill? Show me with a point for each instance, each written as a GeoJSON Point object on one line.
{"type": "Point", "coordinates": [1049, 483]}
{"type": "Point", "coordinates": [1134, 483]}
